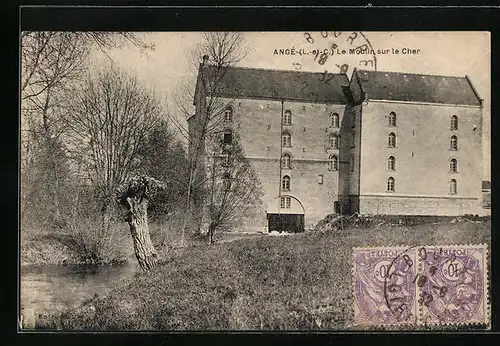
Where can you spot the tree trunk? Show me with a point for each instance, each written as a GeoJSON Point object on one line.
{"type": "Point", "coordinates": [211, 233]}
{"type": "Point", "coordinates": [146, 254]}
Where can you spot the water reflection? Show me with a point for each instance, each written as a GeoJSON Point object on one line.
{"type": "Point", "coordinates": [50, 289]}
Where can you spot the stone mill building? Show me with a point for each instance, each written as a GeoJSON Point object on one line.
{"type": "Point", "coordinates": [375, 143]}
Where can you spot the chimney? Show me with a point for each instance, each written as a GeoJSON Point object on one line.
{"type": "Point", "coordinates": [205, 60]}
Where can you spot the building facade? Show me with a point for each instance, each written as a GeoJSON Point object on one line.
{"type": "Point", "coordinates": [418, 144]}
{"type": "Point", "coordinates": [374, 144]}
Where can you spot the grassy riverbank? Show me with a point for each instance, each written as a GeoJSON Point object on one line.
{"type": "Point", "coordinates": [294, 282]}
{"type": "Point", "coordinates": [75, 246]}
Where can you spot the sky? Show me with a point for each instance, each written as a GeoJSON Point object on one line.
{"type": "Point", "coordinates": [169, 66]}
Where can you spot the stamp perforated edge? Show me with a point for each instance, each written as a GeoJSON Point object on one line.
{"type": "Point", "coordinates": [353, 287]}
{"type": "Point", "coordinates": [419, 324]}
{"type": "Point", "coordinates": [486, 291]}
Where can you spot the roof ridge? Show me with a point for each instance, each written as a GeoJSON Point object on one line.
{"type": "Point", "coordinates": [281, 70]}
{"type": "Point", "coordinates": [413, 74]}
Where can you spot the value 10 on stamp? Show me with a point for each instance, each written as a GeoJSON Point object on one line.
{"type": "Point", "coordinates": [421, 286]}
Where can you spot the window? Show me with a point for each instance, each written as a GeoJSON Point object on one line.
{"type": "Point", "coordinates": [286, 139]}
{"type": "Point", "coordinates": [228, 114]}
{"type": "Point", "coordinates": [351, 162]}
{"type": "Point", "coordinates": [391, 142]}
{"type": "Point", "coordinates": [454, 122]}
{"type": "Point", "coordinates": [287, 118]}
{"type": "Point", "coordinates": [453, 165]}
{"type": "Point", "coordinates": [228, 137]}
{"type": "Point", "coordinates": [226, 181]}
{"type": "Point", "coordinates": [353, 139]}
{"type": "Point", "coordinates": [391, 163]}
{"type": "Point", "coordinates": [390, 184]}
{"type": "Point", "coordinates": [454, 143]}
{"type": "Point", "coordinates": [392, 119]}
{"type": "Point", "coordinates": [320, 179]}
{"type": "Point", "coordinates": [335, 120]}
{"type": "Point", "coordinates": [334, 141]}
{"type": "Point", "coordinates": [453, 187]}
{"type": "Point", "coordinates": [285, 183]}
{"type": "Point", "coordinates": [333, 164]}
{"type": "Point", "coordinates": [226, 159]}
{"type": "Point", "coordinates": [285, 202]}
{"type": "Point", "coordinates": [286, 161]}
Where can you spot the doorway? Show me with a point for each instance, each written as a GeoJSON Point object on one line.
{"type": "Point", "coordinates": [291, 223]}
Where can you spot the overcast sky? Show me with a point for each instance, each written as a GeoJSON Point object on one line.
{"type": "Point", "coordinates": [441, 53]}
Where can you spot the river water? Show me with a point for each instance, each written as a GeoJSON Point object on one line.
{"type": "Point", "coordinates": [51, 289]}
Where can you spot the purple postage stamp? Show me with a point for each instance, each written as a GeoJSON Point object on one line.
{"type": "Point", "coordinates": [421, 286]}
{"type": "Point", "coordinates": [384, 292]}
{"type": "Point", "coordinates": [452, 285]}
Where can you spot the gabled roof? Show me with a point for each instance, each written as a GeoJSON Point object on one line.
{"type": "Point", "coordinates": [399, 86]}
{"type": "Point", "coordinates": [242, 82]}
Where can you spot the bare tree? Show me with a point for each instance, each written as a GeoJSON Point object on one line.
{"type": "Point", "coordinates": [218, 51]}
{"type": "Point", "coordinates": [108, 123]}
{"type": "Point", "coordinates": [134, 196]}
{"type": "Point", "coordinates": [52, 64]}
{"type": "Point", "coordinates": [234, 189]}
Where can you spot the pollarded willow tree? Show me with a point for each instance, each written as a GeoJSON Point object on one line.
{"type": "Point", "coordinates": [134, 196]}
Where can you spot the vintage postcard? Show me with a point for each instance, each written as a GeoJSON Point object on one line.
{"type": "Point", "coordinates": [255, 181]}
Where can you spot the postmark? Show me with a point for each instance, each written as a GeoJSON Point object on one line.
{"type": "Point", "coordinates": [421, 286]}
{"type": "Point", "coordinates": [334, 52]}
